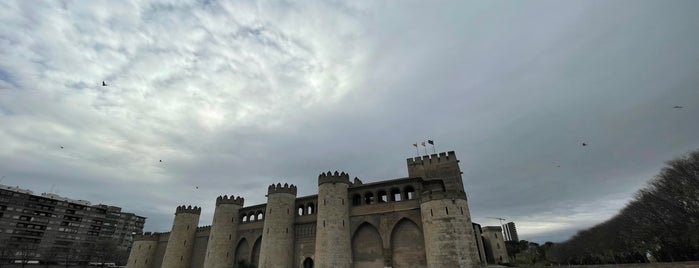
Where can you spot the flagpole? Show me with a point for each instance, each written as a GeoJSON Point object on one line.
{"type": "Point", "coordinates": [417, 150]}
{"type": "Point", "coordinates": [424, 147]}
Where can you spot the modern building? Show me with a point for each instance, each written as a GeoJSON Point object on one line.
{"type": "Point", "coordinates": [510, 232]}
{"type": "Point", "coordinates": [49, 227]}
{"type": "Point", "coordinates": [422, 220]}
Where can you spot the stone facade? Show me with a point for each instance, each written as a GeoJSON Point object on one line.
{"type": "Point", "coordinates": [422, 220]}
{"type": "Point", "coordinates": [495, 245]}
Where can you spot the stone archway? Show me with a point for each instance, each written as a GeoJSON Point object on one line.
{"type": "Point", "coordinates": [367, 248]}
{"type": "Point", "coordinates": [308, 263]}
{"type": "Point", "coordinates": [242, 251]}
{"type": "Point", "coordinates": [407, 245]}
{"type": "Point", "coordinates": [256, 251]}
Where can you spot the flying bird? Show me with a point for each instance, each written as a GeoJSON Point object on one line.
{"type": "Point", "coordinates": [197, 187]}
{"type": "Point", "coordinates": [104, 84]}
{"type": "Point", "coordinates": [584, 144]}
{"type": "Point", "coordinates": [677, 107]}
{"type": "Point", "coordinates": [61, 147]}
{"type": "Point", "coordinates": [161, 160]}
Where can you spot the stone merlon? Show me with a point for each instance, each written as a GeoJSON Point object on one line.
{"type": "Point", "coordinates": [188, 209]}
{"type": "Point", "coordinates": [230, 200]}
{"type": "Point", "coordinates": [279, 188]}
{"type": "Point", "coordinates": [434, 158]}
{"type": "Point", "coordinates": [336, 177]}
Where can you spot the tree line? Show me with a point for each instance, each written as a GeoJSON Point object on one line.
{"type": "Point", "coordinates": [660, 223]}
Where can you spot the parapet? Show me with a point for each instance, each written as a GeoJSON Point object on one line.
{"type": "Point", "coordinates": [147, 236]}
{"type": "Point", "coordinates": [433, 159]}
{"type": "Point", "coordinates": [336, 177]}
{"type": "Point", "coordinates": [188, 209]}
{"type": "Point", "coordinates": [279, 188]}
{"type": "Point", "coordinates": [230, 200]}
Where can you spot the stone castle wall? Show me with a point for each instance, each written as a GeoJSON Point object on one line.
{"type": "Point", "coordinates": [419, 221]}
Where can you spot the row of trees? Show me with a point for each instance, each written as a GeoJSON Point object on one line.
{"type": "Point", "coordinates": [661, 223]}
{"type": "Point", "coordinates": [103, 251]}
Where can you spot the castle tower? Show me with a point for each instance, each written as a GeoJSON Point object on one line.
{"type": "Point", "coordinates": [446, 220]}
{"type": "Point", "coordinates": [222, 237]}
{"type": "Point", "coordinates": [179, 245]}
{"type": "Point", "coordinates": [333, 245]}
{"type": "Point", "coordinates": [277, 245]}
{"type": "Point", "coordinates": [444, 167]}
{"type": "Point", "coordinates": [142, 250]}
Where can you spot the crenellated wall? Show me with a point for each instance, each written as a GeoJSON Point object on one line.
{"type": "Point", "coordinates": [419, 221]}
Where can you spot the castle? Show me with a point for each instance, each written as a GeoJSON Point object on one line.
{"type": "Point", "coordinates": [419, 221]}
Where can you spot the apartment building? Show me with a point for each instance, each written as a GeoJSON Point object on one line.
{"type": "Point", "coordinates": [48, 225]}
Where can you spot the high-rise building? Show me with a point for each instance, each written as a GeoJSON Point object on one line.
{"type": "Point", "coordinates": [510, 232]}
{"type": "Point", "coordinates": [50, 228]}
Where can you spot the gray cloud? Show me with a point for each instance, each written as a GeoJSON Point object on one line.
{"type": "Point", "coordinates": [235, 96]}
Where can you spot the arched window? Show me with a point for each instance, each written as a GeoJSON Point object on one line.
{"type": "Point", "coordinates": [409, 192]}
{"type": "Point", "coordinates": [310, 209]}
{"type": "Point", "coordinates": [395, 194]}
{"type": "Point", "coordinates": [368, 198]}
{"type": "Point", "coordinates": [356, 199]}
{"type": "Point", "coordinates": [244, 218]}
{"type": "Point", "coordinates": [382, 196]}
{"type": "Point", "coordinates": [251, 216]}
{"type": "Point", "coordinates": [260, 216]}
{"type": "Point", "coordinates": [300, 210]}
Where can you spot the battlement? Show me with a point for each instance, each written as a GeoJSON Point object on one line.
{"type": "Point", "coordinates": [336, 177]}
{"type": "Point", "coordinates": [147, 236]}
{"type": "Point", "coordinates": [230, 200]}
{"type": "Point", "coordinates": [433, 159]}
{"type": "Point", "coordinates": [188, 209]}
{"type": "Point", "coordinates": [203, 228]}
{"type": "Point", "coordinates": [279, 188]}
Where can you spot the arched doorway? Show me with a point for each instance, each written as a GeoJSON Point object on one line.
{"type": "Point", "coordinates": [308, 263]}
{"type": "Point", "coordinates": [408, 245]}
{"type": "Point", "coordinates": [256, 251]}
{"type": "Point", "coordinates": [367, 249]}
{"type": "Point", "coordinates": [242, 252]}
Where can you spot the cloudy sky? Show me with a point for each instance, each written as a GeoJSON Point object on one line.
{"type": "Point", "coordinates": [233, 96]}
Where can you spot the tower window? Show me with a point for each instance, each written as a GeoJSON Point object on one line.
{"type": "Point", "coordinates": [369, 198]}
{"type": "Point", "coordinates": [356, 199]}
{"type": "Point", "coordinates": [409, 192]}
{"type": "Point", "coordinates": [447, 210]}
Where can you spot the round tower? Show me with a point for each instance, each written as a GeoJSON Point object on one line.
{"type": "Point", "coordinates": [142, 250]}
{"type": "Point", "coordinates": [447, 228]}
{"type": "Point", "coordinates": [179, 244]}
{"type": "Point", "coordinates": [222, 237]}
{"type": "Point", "coordinates": [277, 245]}
{"type": "Point", "coordinates": [333, 245]}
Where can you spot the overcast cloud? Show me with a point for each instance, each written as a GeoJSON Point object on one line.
{"type": "Point", "coordinates": [235, 95]}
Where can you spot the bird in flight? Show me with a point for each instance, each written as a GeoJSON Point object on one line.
{"type": "Point", "coordinates": [104, 84]}
{"type": "Point", "coordinates": [161, 160]}
{"type": "Point", "coordinates": [584, 144]}
{"type": "Point", "coordinates": [677, 107]}
{"type": "Point", "coordinates": [61, 147]}
{"type": "Point", "coordinates": [197, 187]}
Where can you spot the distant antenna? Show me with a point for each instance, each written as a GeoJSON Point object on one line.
{"type": "Point", "coordinates": [497, 218]}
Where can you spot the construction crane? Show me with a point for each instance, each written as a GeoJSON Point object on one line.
{"type": "Point", "coordinates": [497, 218]}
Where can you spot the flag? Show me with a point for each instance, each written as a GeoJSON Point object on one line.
{"type": "Point", "coordinates": [430, 142]}
{"type": "Point", "coordinates": [415, 144]}
{"type": "Point", "coordinates": [423, 144]}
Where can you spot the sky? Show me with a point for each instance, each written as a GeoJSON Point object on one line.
{"type": "Point", "coordinates": [235, 95]}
